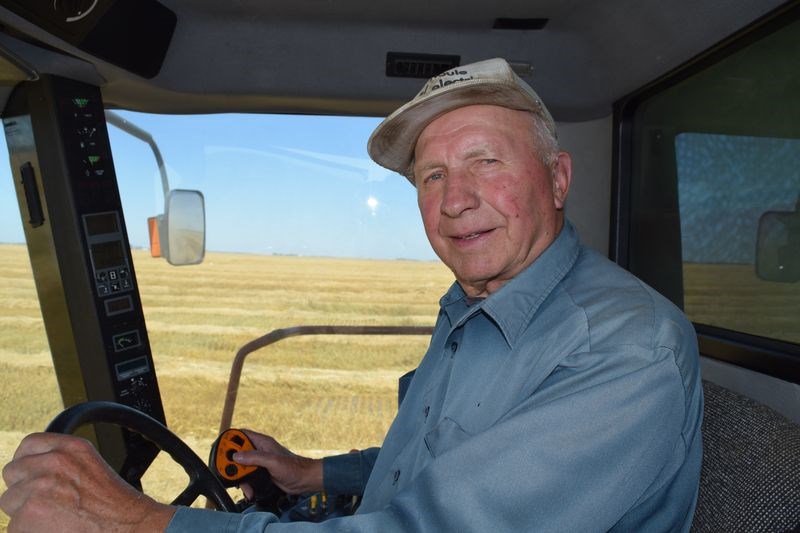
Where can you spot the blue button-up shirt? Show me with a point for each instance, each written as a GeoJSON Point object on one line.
{"type": "Point", "coordinates": [568, 400]}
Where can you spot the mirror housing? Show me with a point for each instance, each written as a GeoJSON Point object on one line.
{"type": "Point", "coordinates": [179, 235]}
{"type": "Point", "coordinates": [153, 223]}
{"type": "Point", "coordinates": [778, 246]}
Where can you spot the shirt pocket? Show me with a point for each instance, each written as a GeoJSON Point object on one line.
{"type": "Point", "coordinates": [446, 435]}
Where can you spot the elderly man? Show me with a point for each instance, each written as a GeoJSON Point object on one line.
{"type": "Point", "coordinates": [559, 392]}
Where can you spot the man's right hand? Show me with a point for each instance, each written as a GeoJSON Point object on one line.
{"type": "Point", "coordinates": [292, 473]}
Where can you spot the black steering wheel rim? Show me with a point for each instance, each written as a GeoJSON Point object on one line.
{"type": "Point", "coordinates": [201, 480]}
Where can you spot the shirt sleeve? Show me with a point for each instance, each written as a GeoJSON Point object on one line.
{"type": "Point", "coordinates": [348, 473]}
{"type": "Point", "coordinates": [602, 441]}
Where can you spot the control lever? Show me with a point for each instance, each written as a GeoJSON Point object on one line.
{"type": "Point", "coordinates": [232, 474]}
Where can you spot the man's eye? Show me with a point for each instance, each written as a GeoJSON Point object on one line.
{"type": "Point", "coordinates": [488, 161]}
{"type": "Point", "coordinates": [434, 177]}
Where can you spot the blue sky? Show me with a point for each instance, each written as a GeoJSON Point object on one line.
{"type": "Point", "coordinates": [282, 184]}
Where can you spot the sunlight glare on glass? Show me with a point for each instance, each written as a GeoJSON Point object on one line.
{"type": "Point", "coordinates": [372, 204]}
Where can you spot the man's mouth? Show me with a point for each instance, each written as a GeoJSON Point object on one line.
{"type": "Point", "coordinates": [470, 236]}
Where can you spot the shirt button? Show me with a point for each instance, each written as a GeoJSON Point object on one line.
{"type": "Point", "coordinates": [396, 476]}
{"type": "Point", "coordinates": [453, 346]}
{"type": "Point", "coordinates": [426, 410]}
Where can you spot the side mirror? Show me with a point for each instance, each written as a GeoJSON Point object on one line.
{"type": "Point", "coordinates": [179, 235]}
{"type": "Point", "coordinates": [778, 246]}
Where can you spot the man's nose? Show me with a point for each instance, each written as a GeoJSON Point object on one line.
{"type": "Point", "coordinates": [460, 194]}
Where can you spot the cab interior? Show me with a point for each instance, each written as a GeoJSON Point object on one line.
{"type": "Point", "coordinates": [646, 96]}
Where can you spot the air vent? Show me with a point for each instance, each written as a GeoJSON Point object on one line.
{"type": "Point", "coordinates": [405, 65]}
{"type": "Point", "coordinates": [519, 24]}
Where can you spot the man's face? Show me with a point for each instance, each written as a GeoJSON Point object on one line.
{"type": "Point", "coordinates": [488, 203]}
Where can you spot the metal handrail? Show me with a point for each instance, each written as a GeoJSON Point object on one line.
{"type": "Point", "coordinates": [284, 333]}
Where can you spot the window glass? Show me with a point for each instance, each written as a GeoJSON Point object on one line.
{"type": "Point", "coordinates": [723, 193]}
{"type": "Point", "coordinates": [715, 154]}
{"type": "Point", "coordinates": [302, 228]}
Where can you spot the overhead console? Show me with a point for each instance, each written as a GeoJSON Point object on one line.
{"type": "Point", "coordinates": [131, 34]}
{"type": "Point", "coordinates": [80, 256]}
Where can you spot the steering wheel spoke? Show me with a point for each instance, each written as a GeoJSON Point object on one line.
{"type": "Point", "coordinates": [189, 495]}
{"type": "Point", "coordinates": [201, 480]}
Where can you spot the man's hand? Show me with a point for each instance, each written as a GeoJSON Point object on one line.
{"type": "Point", "coordinates": [290, 472]}
{"type": "Point", "coordinates": [60, 483]}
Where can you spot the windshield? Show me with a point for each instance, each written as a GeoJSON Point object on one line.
{"type": "Point", "coordinates": [302, 229]}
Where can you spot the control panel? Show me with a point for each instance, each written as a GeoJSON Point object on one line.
{"type": "Point", "coordinates": [80, 255]}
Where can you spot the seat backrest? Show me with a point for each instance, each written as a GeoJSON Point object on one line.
{"type": "Point", "coordinates": [750, 479]}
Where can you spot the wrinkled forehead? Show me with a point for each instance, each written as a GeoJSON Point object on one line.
{"type": "Point", "coordinates": [475, 128]}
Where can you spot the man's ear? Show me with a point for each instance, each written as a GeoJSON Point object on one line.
{"type": "Point", "coordinates": [562, 177]}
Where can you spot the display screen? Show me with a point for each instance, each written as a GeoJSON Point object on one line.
{"type": "Point", "coordinates": [115, 306]}
{"type": "Point", "coordinates": [108, 255]}
{"type": "Point", "coordinates": [132, 368]}
{"type": "Point", "coordinates": [101, 223]}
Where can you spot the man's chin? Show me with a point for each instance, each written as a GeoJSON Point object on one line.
{"type": "Point", "coordinates": [478, 283]}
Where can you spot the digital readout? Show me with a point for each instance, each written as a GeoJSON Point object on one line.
{"type": "Point", "coordinates": [132, 368]}
{"type": "Point", "coordinates": [107, 255]}
{"type": "Point", "coordinates": [101, 223]}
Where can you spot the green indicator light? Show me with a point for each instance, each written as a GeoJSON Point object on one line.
{"type": "Point", "coordinates": [80, 102]}
{"type": "Point", "coordinates": [94, 159]}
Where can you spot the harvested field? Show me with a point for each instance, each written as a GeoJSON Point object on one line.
{"type": "Point", "coordinates": [317, 394]}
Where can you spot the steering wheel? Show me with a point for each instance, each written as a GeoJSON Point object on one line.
{"type": "Point", "coordinates": [201, 480]}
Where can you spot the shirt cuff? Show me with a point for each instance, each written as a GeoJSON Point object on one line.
{"type": "Point", "coordinates": [194, 520]}
{"type": "Point", "coordinates": [348, 473]}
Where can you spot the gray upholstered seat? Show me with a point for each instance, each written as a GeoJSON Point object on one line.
{"type": "Point", "coordinates": [750, 479]}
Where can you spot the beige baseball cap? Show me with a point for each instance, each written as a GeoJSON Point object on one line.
{"type": "Point", "coordinates": [491, 82]}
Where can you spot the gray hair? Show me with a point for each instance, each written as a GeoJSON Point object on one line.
{"type": "Point", "coordinates": [544, 141]}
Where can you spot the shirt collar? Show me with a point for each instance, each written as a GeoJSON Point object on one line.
{"type": "Point", "coordinates": [513, 305]}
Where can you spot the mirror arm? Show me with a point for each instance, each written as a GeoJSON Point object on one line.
{"type": "Point", "coordinates": [139, 133]}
